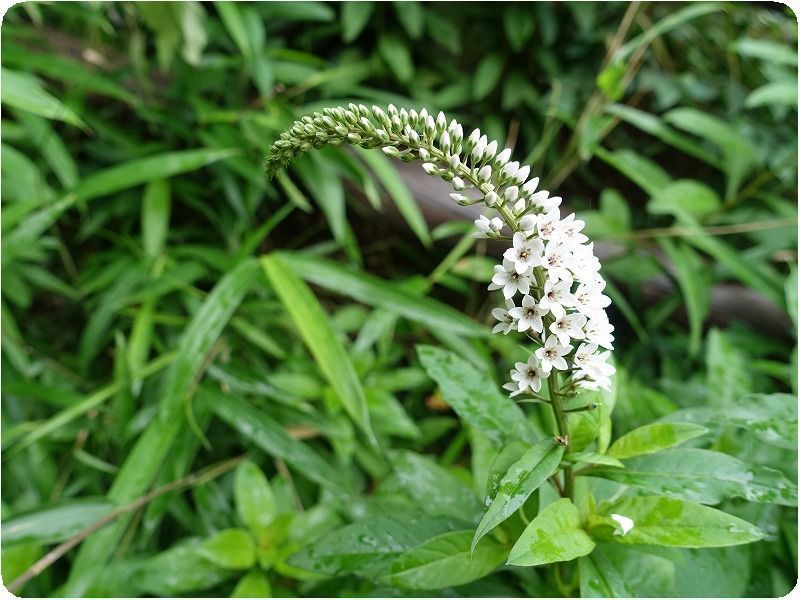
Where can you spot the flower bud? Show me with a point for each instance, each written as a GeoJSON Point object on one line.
{"type": "Point", "coordinates": [490, 151]}
{"type": "Point", "coordinates": [461, 199]}
{"type": "Point", "coordinates": [527, 223]}
{"type": "Point", "coordinates": [530, 187]}
{"type": "Point", "coordinates": [511, 193]}
{"type": "Point", "coordinates": [459, 184]}
{"type": "Point", "coordinates": [430, 168]}
{"type": "Point", "coordinates": [455, 161]}
{"type": "Point", "coordinates": [391, 151]}
{"type": "Point", "coordinates": [485, 173]}
{"type": "Point", "coordinates": [522, 174]}
{"type": "Point", "coordinates": [424, 154]}
{"type": "Point", "coordinates": [491, 199]}
{"type": "Point", "coordinates": [503, 157]}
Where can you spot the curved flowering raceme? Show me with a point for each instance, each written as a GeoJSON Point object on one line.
{"type": "Point", "coordinates": [549, 275]}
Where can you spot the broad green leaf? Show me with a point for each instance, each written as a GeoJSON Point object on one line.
{"type": "Point", "coordinates": [487, 75]}
{"type": "Point", "coordinates": [355, 16]}
{"type": "Point", "coordinates": [322, 341]}
{"type": "Point", "coordinates": [444, 561]}
{"type": "Point", "coordinates": [411, 16]}
{"type": "Point", "coordinates": [519, 482]}
{"type": "Point", "coordinates": [593, 458]}
{"type": "Point", "coordinates": [252, 493]}
{"type": "Point", "coordinates": [771, 417]}
{"type": "Point", "coordinates": [155, 216]}
{"type": "Point", "coordinates": [148, 454]}
{"type": "Point", "coordinates": [253, 585]}
{"type": "Point", "coordinates": [376, 292]}
{"type": "Point", "coordinates": [703, 476]}
{"type": "Point", "coordinates": [235, 23]}
{"type": "Point", "coordinates": [654, 437]}
{"type": "Point", "coordinates": [766, 50]}
{"type": "Point", "coordinates": [728, 376]}
{"type": "Point", "coordinates": [322, 178]}
{"type": "Point", "coordinates": [673, 522]}
{"type": "Point", "coordinates": [271, 437]}
{"type": "Point", "coordinates": [739, 155]}
{"type": "Point", "coordinates": [655, 126]}
{"type": "Point", "coordinates": [435, 490]}
{"type": "Point", "coordinates": [555, 535]}
{"type": "Point", "coordinates": [51, 524]}
{"type": "Point", "coordinates": [180, 570]}
{"type": "Point", "coordinates": [16, 560]}
{"type": "Point", "coordinates": [616, 571]}
{"type": "Point", "coordinates": [510, 454]}
{"type": "Point", "coordinates": [642, 171]}
{"type": "Point", "coordinates": [25, 92]}
{"type": "Point", "coordinates": [364, 547]}
{"type": "Point", "coordinates": [475, 397]}
{"type": "Point", "coordinates": [399, 192]}
{"type": "Point", "coordinates": [694, 285]}
{"type": "Point", "coordinates": [396, 54]}
{"type": "Point", "coordinates": [777, 93]}
{"type": "Point", "coordinates": [684, 197]}
{"type": "Point", "coordinates": [519, 25]}
{"type": "Point", "coordinates": [230, 548]}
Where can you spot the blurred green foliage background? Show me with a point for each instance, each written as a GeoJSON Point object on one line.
{"type": "Point", "coordinates": [141, 342]}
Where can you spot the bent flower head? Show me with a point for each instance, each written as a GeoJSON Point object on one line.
{"type": "Point", "coordinates": [550, 264]}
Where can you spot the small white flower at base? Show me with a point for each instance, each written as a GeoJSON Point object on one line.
{"type": "Point", "coordinates": [509, 280]}
{"type": "Point", "coordinates": [625, 523]}
{"type": "Point", "coordinates": [548, 224]}
{"type": "Point", "coordinates": [529, 315]}
{"type": "Point", "coordinates": [552, 354]}
{"type": "Point", "coordinates": [569, 327]}
{"type": "Point", "coordinates": [525, 254]}
{"type": "Point", "coordinates": [505, 317]}
{"type": "Point", "coordinates": [557, 297]}
{"type": "Point", "coordinates": [598, 331]}
{"type": "Point", "coordinates": [570, 229]}
{"type": "Point", "coordinates": [528, 376]}
{"type": "Point", "coordinates": [557, 260]}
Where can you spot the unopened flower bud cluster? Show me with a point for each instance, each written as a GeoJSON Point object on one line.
{"type": "Point", "coordinates": [549, 276]}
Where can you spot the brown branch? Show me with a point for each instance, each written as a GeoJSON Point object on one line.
{"type": "Point", "coordinates": [56, 553]}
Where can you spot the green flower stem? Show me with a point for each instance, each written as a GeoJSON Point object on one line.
{"type": "Point", "coordinates": [563, 432]}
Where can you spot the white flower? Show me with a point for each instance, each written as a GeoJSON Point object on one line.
{"type": "Point", "coordinates": [625, 523]}
{"type": "Point", "coordinates": [548, 224]}
{"type": "Point", "coordinates": [507, 278]}
{"type": "Point", "coordinates": [530, 186]}
{"type": "Point", "coordinates": [527, 225]}
{"type": "Point", "coordinates": [505, 318]}
{"type": "Point", "coordinates": [525, 254]}
{"type": "Point", "coordinates": [557, 260]}
{"type": "Point", "coordinates": [569, 326]}
{"type": "Point", "coordinates": [570, 229]}
{"type": "Point", "coordinates": [487, 227]}
{"type": "Point", "coordinates": [529, 315]}
{"type": "Point", "coordinates": [598, 331]}
{"type": "Point", "coordinates": [544, 201]}
{"type": "Point", "coordinates": [528, 375]}
{"type": "Point", "coordinates": [556, 297]}
{"type": "Point", "coordinates": [589, 298]}
{"type": "Point", "coordinates": [552, 354]}
{"type": "Point", "coordinates": [593, 369]}
{"type": "Point", "coordinates": [585, 264]}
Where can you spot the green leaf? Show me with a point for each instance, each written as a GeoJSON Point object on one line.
{"type": "Point", "coordinates": [519, 25]}
{"type": "Point", "coordinates": [355, 16]}
{"type": "Point", "coordinates": [399, 193]}
{"type": "Point", "coordinates": [411, 16]}
{"type": "Point", "coordinates": [521, 480]}
{"type": "Point", "coordinates": [435, 490]}
{"type": "Point", "coordinates": [487, 76]}
{"type": "Point", "coordinates": [54, 523]}
{"type": "Point", "coordinates": [555, 535]}
{"type": "Point", "coordinates": [148, 454]}
{"type": "Point", "coordinates": [475, 397]}
{"type": "Point", "coordinates": [684, 197]}
{"type": "Point", "coordinates": [253, 585]}
{"type": "Point", "coordinates": [695, 287]}
{"type": "Point", "coordinates": [766, 50]}
{"type": "Point", "coordinates": [672, 522]}
{"type": "Point", "coordinates": [615, 571]}
{"type": "Point", "coordinates": [771, 417]}
{"type": "Point", "coordinates": [728, 376]}
{"type": "Point", "coordinates": [234, 22]}
{"type": "Point", "coordinates": [444, 561]}
{"type": "Point", "coordinates": [703, 476]}
{"type": "Point", "coordinates": [610, 81]}
{"type": "Point", "coordinates": [314, 327]}
{"type": "Point", "coordinates": [155, 216]}
{"type": "Point", "coordinates": [364, 547]}
{"type": "Point", "coordinates": [271, 437]}
{"type": "Point", "coordinates": [510, 454]}
{"type": "Point", "coordinates": [230, 548]}
{"type": "Point", "coordinates": [180, 570]}
{"type": "Point", "coordinates": [25, 92]}
{"type": "Point", "coordinates": [593, 458]}
{"type": "Point", "coordinates": [397, 56]}
{"type": "Point", "coordinates": [642, 171]}
{"type": "Point", "coordinates": [654, 437]}
{"type": "Point", "coordinates": [777, 93]}
{"type": "Point", "coordinates": [255, 503]}
{"type": "Point", "coordinates": [739, 155]}
{"type": "Point", "coordinates": [376, 292]}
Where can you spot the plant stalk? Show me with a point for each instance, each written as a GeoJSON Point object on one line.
{"type": "Point", "coordinates": [563, 432]}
